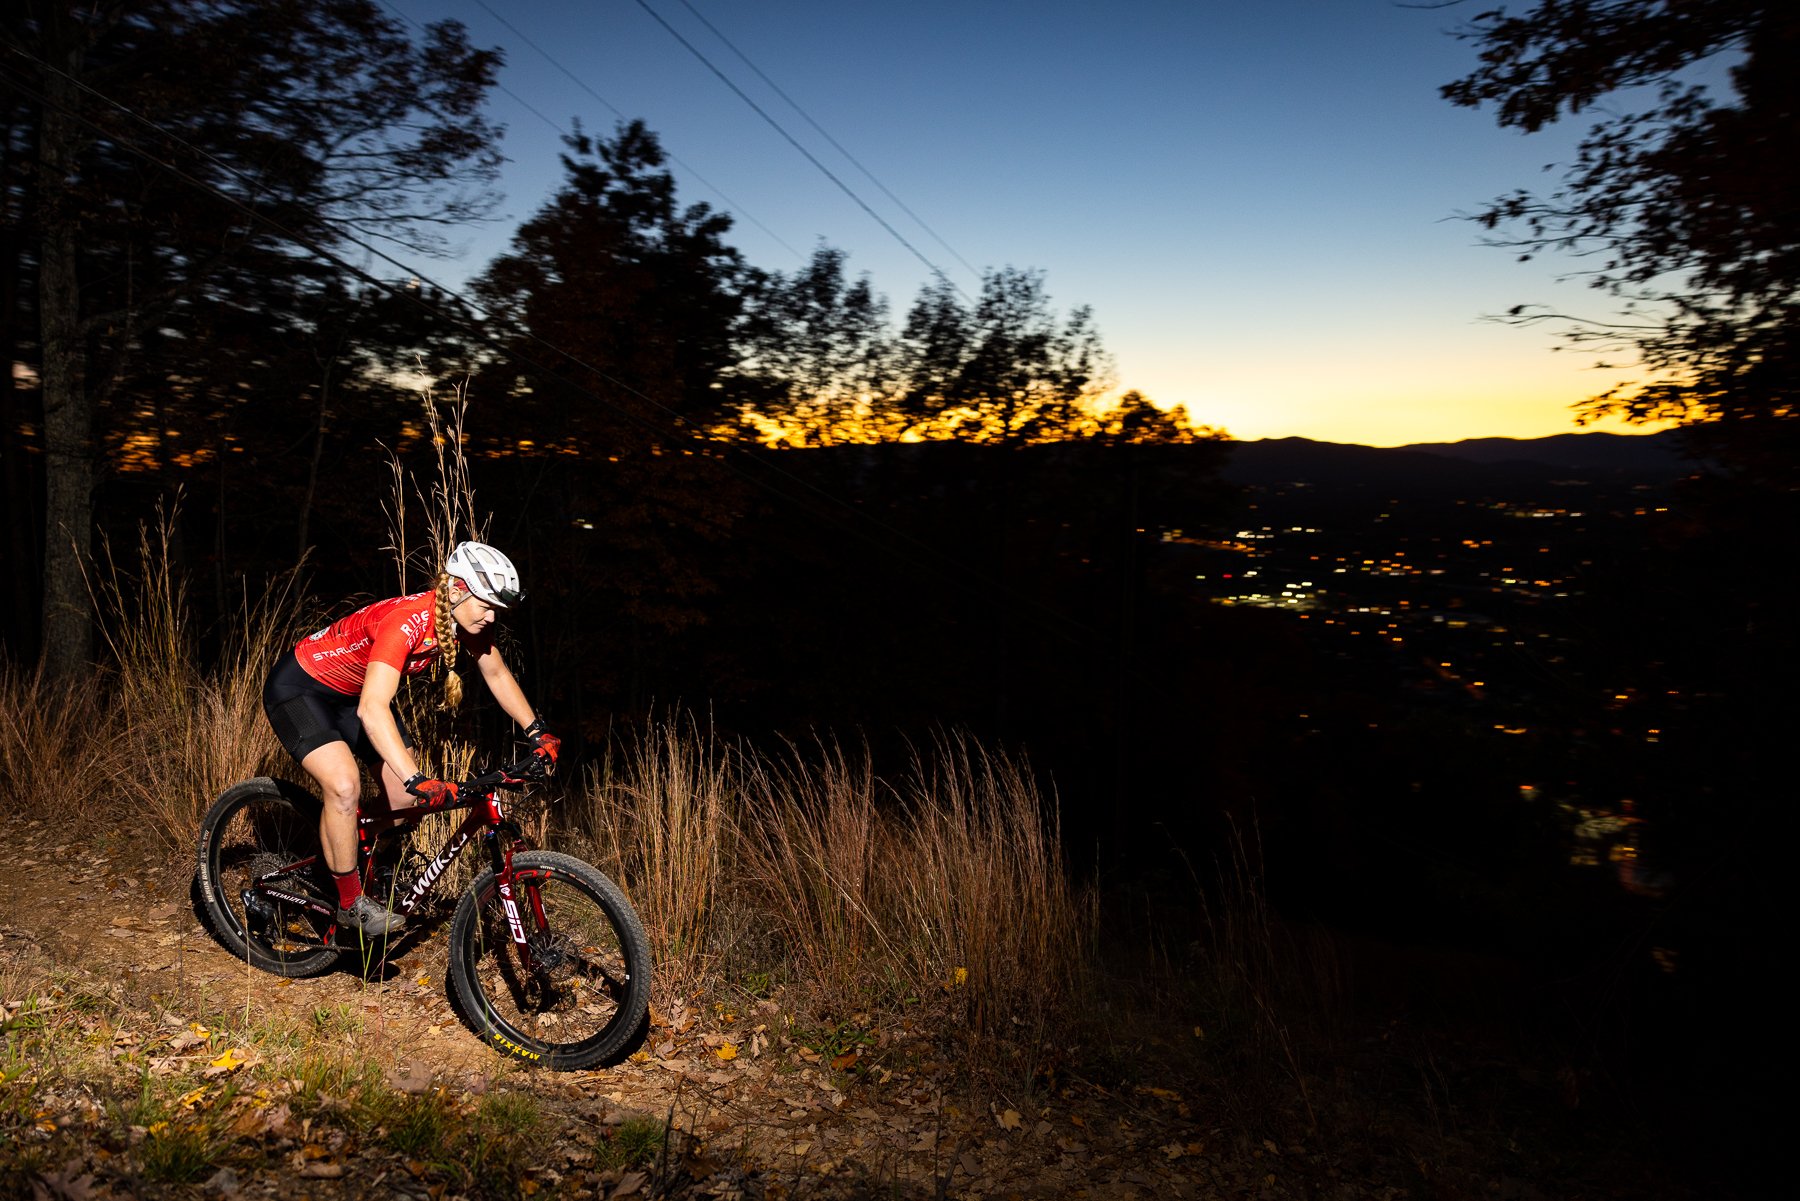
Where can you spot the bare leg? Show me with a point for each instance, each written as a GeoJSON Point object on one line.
{"type": "Point", "coordinates": [334, 767]}
{"type": "Point", "coordinates": [393, 799]}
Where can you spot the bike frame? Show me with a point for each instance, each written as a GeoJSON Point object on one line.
{"type": "Point", "coordinates": [485, 814]}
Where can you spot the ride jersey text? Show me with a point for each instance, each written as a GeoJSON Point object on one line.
{"type": "Point", "coordinates": [401, 632]}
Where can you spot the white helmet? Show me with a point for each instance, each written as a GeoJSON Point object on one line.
{"type": "Point", "coordinates": [486, 573]}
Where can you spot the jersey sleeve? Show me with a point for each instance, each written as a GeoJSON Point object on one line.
{"type": "Point", "coordinates": [393, 641]}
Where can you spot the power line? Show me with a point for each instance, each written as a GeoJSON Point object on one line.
{"type": "Point", "coordinates": [836, 145]}
{"type": "Point", "coordinates": [795, 143]}
{"type": "Point", "coordinates": [922, 555]}
{"type": "Point", "coordinates": [736, 208]}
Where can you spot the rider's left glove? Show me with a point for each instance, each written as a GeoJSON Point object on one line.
{"type": "Point", "coordinates": [543, 743]}
{"type": "Point", "coordinates": [432, 793]}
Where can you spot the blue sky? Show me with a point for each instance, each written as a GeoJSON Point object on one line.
{"type": "Point", "coordinates": [1257, 200]}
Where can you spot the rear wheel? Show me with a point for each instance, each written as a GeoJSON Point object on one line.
{"type": "Point", "coordinates": [264, 829]}
{"type": "Point", "coordinates": [580, 997]}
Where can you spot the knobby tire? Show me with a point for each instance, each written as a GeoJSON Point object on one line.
{"type": "Point", "coordinates": [254, 828]}
{"type": "Point", "coordinates": [584, 1001]}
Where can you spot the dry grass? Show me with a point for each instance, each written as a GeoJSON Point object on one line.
{"type": "Point", "coordinates": [64, 737]}
{"type": "Point", "coordinates": [184, 733]}
{"type": "Point", "coordinates": [656, 817]}
{"type": "Point", "coordinates": [946, 886]}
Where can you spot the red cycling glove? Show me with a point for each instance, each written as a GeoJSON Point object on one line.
{"type": "Point", "coordinates": [433, 793]}
{"type": "Point", "coordinates": [543, 743]}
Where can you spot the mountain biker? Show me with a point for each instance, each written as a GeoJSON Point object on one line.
{"type": "Point", "coordinates": [332, 702]}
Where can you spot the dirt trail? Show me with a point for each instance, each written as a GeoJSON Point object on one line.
{"type": "Point", "coordinates": [758, 1114]}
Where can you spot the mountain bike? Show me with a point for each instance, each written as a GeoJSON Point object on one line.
{"type": "Point", "coordinates": [548, 960]}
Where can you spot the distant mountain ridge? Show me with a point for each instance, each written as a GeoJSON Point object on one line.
{"type": "Point", "coordinates": [1613, 452]}
{"type": "Point", "coordinates": [1654, 457]}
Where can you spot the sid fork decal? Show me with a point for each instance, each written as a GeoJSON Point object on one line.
{"type": "Point", "coordinates": [512, 913]}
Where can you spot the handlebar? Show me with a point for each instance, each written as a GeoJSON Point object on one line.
{"type": "Point", "coordinates": [513, 776]}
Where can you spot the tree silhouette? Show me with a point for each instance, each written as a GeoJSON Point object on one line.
{"type": "Point", "coordinates": [617, 309]}
{"type": "Point", "coordinates": [161, 199]}
{"type": "Point", "coordinates": [1683, 206]}
{"type": "Point", "coordinates": [819, 346]}
{"type": "Point", "coordinates": [1002, 371]}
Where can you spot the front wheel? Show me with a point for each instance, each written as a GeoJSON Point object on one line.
{"type": "Point", "coordinates": [576, 995]}
{"type": "Point", "coordinates": [264, 831]}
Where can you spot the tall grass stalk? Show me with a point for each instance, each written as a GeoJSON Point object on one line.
{"type": "Point", "coordinates": [982, 883]}
{"type": "Point", "coordinates": [948, 886]}
{"type": "Point", "coordinates": [656, 815]}
{"type": "Point", "coordinates": [60, 740]}
{"type": "Point", "coordinates": [811, 842]}
{"type": "Point", "coordinates": [183, 733]}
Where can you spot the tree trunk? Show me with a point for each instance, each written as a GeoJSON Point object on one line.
{"type": "Point", "coordinates": [68, 410]}
{"type": "Point", "coordinates": [18, 407]}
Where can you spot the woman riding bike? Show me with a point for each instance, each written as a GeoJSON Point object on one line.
{"type": "Point", "coordinates": [332, 702]}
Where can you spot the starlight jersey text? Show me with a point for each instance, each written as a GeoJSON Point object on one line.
{"type": "Point", "coordinates": [401, 632]}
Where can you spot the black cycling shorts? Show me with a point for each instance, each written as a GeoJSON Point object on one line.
{"type": "Point", "coordinates": [307, 714]}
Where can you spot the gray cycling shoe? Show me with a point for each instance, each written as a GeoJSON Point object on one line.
{"type": "Point", "coordinates": [367, 914]}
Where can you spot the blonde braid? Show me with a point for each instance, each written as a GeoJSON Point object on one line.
{"type": "Point", "coordinates": [447, 646]}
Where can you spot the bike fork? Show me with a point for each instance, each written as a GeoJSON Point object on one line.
{"type": "Point", "coordinates": [505, 881]}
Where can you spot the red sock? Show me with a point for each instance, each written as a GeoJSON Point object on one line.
{"type": "Point", "coordinates": [349, 886]}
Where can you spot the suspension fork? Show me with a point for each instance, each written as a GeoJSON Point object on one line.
{"type": "Point", "coordinates": [501, 850]}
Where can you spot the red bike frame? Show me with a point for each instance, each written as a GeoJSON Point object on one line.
{"type": "Point", "coordinates": [485, 815]}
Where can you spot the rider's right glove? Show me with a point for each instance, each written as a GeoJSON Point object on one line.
{"type": "Point", "coordinates": [543, 743]}
{"type": "Point", "coordinates": [433, 794]}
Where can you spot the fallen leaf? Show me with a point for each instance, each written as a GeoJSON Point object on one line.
{"type": "Point", "coordinates": [64, 1183]}
{"type": "Point", "coordinates": [189, 1100]}
{"type": "Point", "coordinates": [729, 1052]}
{"type": "Point", "coordinates": [281, 1121]}
{"type": "Point", "coordinates": [225, 1064]}
{"type": "Point", "coordinates": [959, 977]}
{"type": "Point", "coordinates": [1009, 1120]}
{"type": "Point", "coordinates": [927, 1141]}
{"type": "Point", "coordinates": [628, 1184]}
{"type": "Point", "coordinates": [412, 1077]}
{"type": "Point", "coordinates": [323, 1171]}
{"type": "Point", "coordinates": [845, 1061]}
{"type": "Point", "coordinates": [249, 1125]}
{"type": "Point", "coordinates": [1174, 1150]}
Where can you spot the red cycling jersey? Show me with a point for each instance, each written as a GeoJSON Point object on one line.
{"type": "Point", "coordinates": [401, 632]}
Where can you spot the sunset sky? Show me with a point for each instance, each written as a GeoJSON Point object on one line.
{"type": "Point", "coordinates": [1257, 200]}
